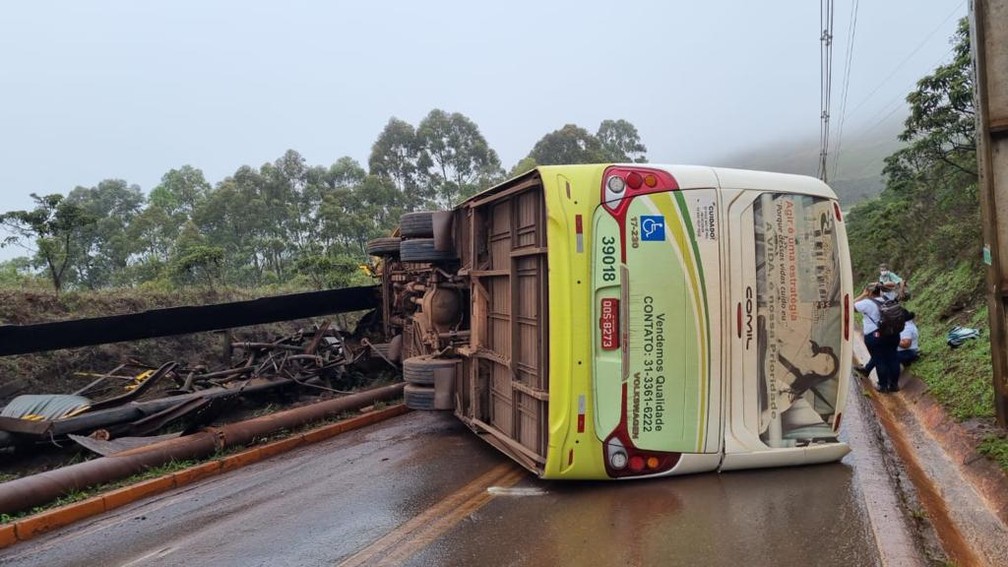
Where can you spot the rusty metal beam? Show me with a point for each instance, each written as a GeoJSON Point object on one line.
{"type": "Point", "coordinates": [42, 488]}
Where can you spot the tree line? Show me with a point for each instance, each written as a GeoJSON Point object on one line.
{"type": "Point", "coordinates": [285, 223]}
{"type": "Point", "coordinates": [928, 215]}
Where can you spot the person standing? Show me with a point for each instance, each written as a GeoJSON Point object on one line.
{"type": "Point", "coordinates": [908, 350]}
{"type": "Point", "coordinates": [882, 348]}
{"type": "Point", "coordinates": [893, 286]}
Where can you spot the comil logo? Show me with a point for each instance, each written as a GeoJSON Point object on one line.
{"type": "Point", "coordinates": [749, 316]}
{"type": "Point", "coordinates": [609, 323]}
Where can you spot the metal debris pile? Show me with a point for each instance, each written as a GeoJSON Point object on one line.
{"type": "Point", "coordinates": [135, 399]}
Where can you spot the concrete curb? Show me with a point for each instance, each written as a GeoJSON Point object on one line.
{"type": "Point", "coordinates": [30, 527]}
{"type": "Point", "coordinates": [897, 542]}
{"type": "Point", "coordinates": [964, 495]}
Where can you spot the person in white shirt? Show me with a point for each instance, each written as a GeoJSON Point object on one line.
{"type": "Point", "coordinates": [881, 348]}
{"type": "Point", "coordinates": [908, 350]}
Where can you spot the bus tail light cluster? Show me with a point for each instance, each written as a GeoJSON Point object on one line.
{"type": "Point", "coordinates": [624, 460]}
{"type": "Point", "coordinates": [620, 184]}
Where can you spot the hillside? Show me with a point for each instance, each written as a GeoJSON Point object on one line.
{"type": "Point", "coordinates": [859, 172]}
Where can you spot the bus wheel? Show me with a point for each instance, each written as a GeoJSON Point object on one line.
{"type": "Point", "coordinates": [416, 225]}
{"type": "Point", "coordinates": [423, 369]}
{"type": "Point", "coordinates": [418, 397]}
{"type": "Point", "coordinates": [422, 250]}
{"type": "Point", "coordinates": [387, 246]}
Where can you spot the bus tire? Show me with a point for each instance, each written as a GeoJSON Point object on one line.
{"type": "Point", "coordinates": [386, 246]}
{"type": "Point", "coordinates": [416, 225]}
{"type": "Point", "coordinates": [422, 369]}
{"type": "Point", "coordinates": [418, 397]}
{"type": "Point", "coordinates": [422, 250]}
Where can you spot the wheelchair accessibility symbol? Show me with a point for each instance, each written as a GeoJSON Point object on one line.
{"type": "Point", "coordinates": [652, 227]}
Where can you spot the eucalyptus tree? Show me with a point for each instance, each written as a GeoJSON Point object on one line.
{"type": "Point", "coordinates": [180, 191]}
{"type": "Point", "coordinates": [455, 159]}
{"type": "Point", "coordinates": [524, 165]}
{"type": "Point", "coordinates": [52, 226]}
{"type": "Point", "coordinates": [333, 184]}
{"type": "Point", "coordinates": [621, 142]}
{"type": "Point", "coordinates": [107, 246]}
{"type": "Point", "coordinates": [169, 206]}
{"type": "Point", "coordinates": [290, 209]}
{"type": "Point", "coordinates": [929, 209]}
{"type": "Point", "coordinates": [196, 260]}
{"type": "Point", "coordinates": [395, 155]}
{"type": "Point", "coordinates": [570, 144]}
{"type": "Point", "coordinates": [231, 218]}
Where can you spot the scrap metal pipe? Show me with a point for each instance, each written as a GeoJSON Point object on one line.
{"type": "Point", "coordinates": [24, 493]}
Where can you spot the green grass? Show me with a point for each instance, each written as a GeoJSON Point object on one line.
{"type": "Point", "coordinates": [958, 378]}
{"type": "Point", "coordinates": [995, 447]}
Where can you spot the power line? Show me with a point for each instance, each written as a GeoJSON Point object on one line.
{"type": "Point", "coordinates": [852, 27]}
{"type": "Point", "coordinates": [883, 113]}
{"type": "Point", "coordinates": [957, 10]}
{"type": "Point", "coordinates": [826, 77]}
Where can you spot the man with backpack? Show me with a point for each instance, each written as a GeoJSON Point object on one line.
{"type": "Point", "coordinates": [883, 321]}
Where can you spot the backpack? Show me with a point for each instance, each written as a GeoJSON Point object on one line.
{"type": "Point", "coordinates": [959, 335]}
{"type": "Point", "coordinates": [892, 317]}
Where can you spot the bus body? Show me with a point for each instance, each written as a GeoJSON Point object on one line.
{"type": "Point", "coordinates": [621, 321]}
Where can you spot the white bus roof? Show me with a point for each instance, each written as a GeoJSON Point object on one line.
{"type": "Point", "coordinates": [695, 177]}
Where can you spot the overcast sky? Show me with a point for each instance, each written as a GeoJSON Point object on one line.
{"type": "Point", "coordinates": [124, 89]}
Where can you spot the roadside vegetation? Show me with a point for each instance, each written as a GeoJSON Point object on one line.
{"type": "Point", "coordinates": [926, 225]}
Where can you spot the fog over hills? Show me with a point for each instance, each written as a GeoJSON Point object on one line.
{"type": "Point", "coordinates": [856, 177]}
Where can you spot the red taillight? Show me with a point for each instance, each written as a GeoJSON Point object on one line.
{"type": "Point", "coordinates": [634, 180]}
{"type": "Point", "coordinates": [638, 181]}
{"type": "Point", "coordinates": [738, 320]}
{"type": "Point", "coordinates": [836, 211]}
{"type": "Point", "coordinates": [636, 463]}
{"type": "Point", "coordinates": [846, 317]}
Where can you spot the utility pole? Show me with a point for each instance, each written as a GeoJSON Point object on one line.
{"type": "Point", "coordinates": [989, 43]}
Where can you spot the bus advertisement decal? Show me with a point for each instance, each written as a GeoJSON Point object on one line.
{"type": "Point", "coordinates": [799, 314]}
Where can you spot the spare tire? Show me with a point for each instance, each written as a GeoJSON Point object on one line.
{"type": "Point", "coordinates": [418, 397]}
{"type": "Point", "coordinates": [387, 246]}
{"type": "Point", "coordinates": [421, 369]}
{"type": "Point", "coordinates": [422, 250]}
{"type": "Point", "coordinates": [416, 225]}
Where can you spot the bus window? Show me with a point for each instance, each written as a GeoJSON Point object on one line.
{"type": "Point", "coordinates": [799, 318]}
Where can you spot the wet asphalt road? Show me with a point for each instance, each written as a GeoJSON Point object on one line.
{"type": "Point", "coordinates": [421, 489]}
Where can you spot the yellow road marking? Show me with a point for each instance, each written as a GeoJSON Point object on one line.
{"type": "Point", "coordinates": [416, 534]}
